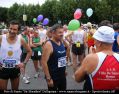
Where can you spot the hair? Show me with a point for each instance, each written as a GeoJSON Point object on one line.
{"type": "Point", "coordinates": [105, 23]}
{"type": "Point", "coordinates": [15, 22]}
{"type": "Point", "coordinates": [55, 27]}
{"type": "Point", "coordinates": [116, 26]}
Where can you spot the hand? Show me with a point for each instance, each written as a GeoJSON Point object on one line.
{"type": "Point", "coordinates": [50, 83]}
{"type": "Point", "coordinates": [92, 50]}
{"type": "Point", "coordinates": [66, 73]}
{"type": "Point", "coordinates": [21, 66]}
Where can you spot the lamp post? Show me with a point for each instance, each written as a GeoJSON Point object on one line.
{"type": "Point", "coordinates": [24, 15]}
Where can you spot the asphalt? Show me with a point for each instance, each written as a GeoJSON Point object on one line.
{"type": "Point", "coordinates": [40, 83]}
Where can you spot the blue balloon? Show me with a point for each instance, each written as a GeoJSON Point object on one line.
{"type": "Point", "coordinates": [89, 12]}
{"type": "Point", "coordinates": [45, 21]}
{"type": "Point", "coordinates": [39, 18]}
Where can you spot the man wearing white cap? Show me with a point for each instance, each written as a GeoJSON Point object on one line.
{"type": "Point", "coordinates": [102, 67]}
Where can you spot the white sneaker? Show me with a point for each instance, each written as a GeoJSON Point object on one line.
{"type": "Point", "coordinates": [40, 68]}
{"type": "Point", "coordinates": [28, 77]}
{"type": "Point", "coordinates": [26, 81]}
{"type": "Point", "coordinates": [36, 75]}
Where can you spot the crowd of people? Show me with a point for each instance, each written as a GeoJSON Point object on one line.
{"type": "Point", "coordinates": [55, 48]}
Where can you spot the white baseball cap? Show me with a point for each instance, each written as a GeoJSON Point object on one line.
{"type": "Point", "coordinates": [104, 34]}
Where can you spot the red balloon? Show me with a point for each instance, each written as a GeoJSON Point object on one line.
{"type": "Point", "coordinates": [77, 14]}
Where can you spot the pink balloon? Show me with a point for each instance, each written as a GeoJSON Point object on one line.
{"type": "Point", "coordinates": [77, 14]}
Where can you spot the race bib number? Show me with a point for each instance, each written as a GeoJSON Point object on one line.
{"type": "Point", "coordinates": [61, 62]}
{"type": "Point", "coordinates": [78, 44]}
{"type": "Point", "coordinates": [39, 53]}
{"type": "Point", "coordinates": [9, 63]}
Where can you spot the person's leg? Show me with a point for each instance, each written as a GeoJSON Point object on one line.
{"type": "Point", "coordinates": [4, 77]}
{"type": "Point", "coordinates": [3, 84]}
{"type": "Point", "coordinates": [22, 61]}
{"type": "Point", "coordinates": [80, 58]}
{"type": "Point", "coordinates": [62, 85]}
{"type": "Point", "coordinates": [35, 62]}
{"type": "Point", "coordinates": [68, 56]}
{"type": "Point", "coordinates": [81, 54]}
{"type": "Point", "coordinates": [15, 83]}
{"type": "Point", "coordinates": [74, 57]}
{"type": "Point", "coordinates": [14, 78]}
{"type": "Point", "coordinates": [74, 61]}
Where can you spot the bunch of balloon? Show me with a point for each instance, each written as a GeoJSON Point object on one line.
{"type": "Point", "coordinates": [77, 14]}
{"type": "Point", "coordinates": [89, 12]}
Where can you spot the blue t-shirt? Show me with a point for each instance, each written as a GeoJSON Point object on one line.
{"type": "Point", "coordinates": [115, 46]}
{"type": "Point", "coordinates": [57, 61]}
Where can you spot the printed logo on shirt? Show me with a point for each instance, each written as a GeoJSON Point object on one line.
{"type": "Point", "coordinates": [10, 53]}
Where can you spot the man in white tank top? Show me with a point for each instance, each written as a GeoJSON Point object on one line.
{"type": "Point", "coordinates": [101, 66]}
{"type": "Point", "coordinates": [78, 42]}
{"type": "Point", "coordinates": [10, 53]}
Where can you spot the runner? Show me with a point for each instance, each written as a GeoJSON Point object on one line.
{"type": "Point", "coordinates": [54, 60]}
{"type": "Point", "coordinates": [10, 52]}
{"type": "Point", "coordinates": [102, 66]}
{"type": "Point", "coordinates": [25, 35]}
{"type": "Point", "coordinates": [36, 46]}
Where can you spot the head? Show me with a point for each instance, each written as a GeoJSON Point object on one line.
{"type": "Point", "coordinates": [26, 30]}
{"type": "Point", "coordinates": [105, 23]}
{"type": "Point", "coordinates": [65, 27]}
{"type": "Point", "coordinates": [116, 27]}
{"type": "Point", "coordinates": [49, 33]}
{"type": "Point", "coordinates": [104, 37]}
{"type": "Point", "coordinates": [35, 32]}
{"type": "Point", "coordinates": [89, 25]}
{"type": "Point", "coordinates": [14, 28]}
{"type": "Point", "coordinates": [4, 31]}
{"type": "Point", "coordinates": [57, 32]}
{"type": "Point", "coordinates": [31, 30]}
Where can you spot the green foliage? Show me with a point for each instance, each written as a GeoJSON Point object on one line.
{"type": "Point", "coordinates": [63, 10]}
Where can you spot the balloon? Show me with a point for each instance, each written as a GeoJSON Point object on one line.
{"type": "Point", "coordinates": [89, 12]}
{"type": "Point", "coordinates": [77, 14]}
{"type": "Point", "coordinates": [45, 21]}
{"type": "Point", "coordinates": [39, 18]}
{"type": "Point", "coordinates": [34, 20]}
{"type": "Point", "coordinates": [78, 9]}
{"type": "Point", "coordinates": [73, 25]}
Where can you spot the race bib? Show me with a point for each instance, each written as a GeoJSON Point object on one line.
{"type": "Point", "coordinates": [78, 44]}
{"type": "Point", "coordinates": [61, 62]}
{"type": "Point", "coordinates": [39, 53]}
{"type": "Point", "coordinates": [9, 63]}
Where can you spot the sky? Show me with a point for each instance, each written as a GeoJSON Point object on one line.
{"type": "Point", "coordinates": [9, 3]}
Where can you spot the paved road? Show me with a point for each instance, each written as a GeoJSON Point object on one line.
{"type": "Point", "coordinates": [40, 83]}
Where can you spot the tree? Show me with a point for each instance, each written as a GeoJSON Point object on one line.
{"type": "Point", "coordinates": [3, 12]}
